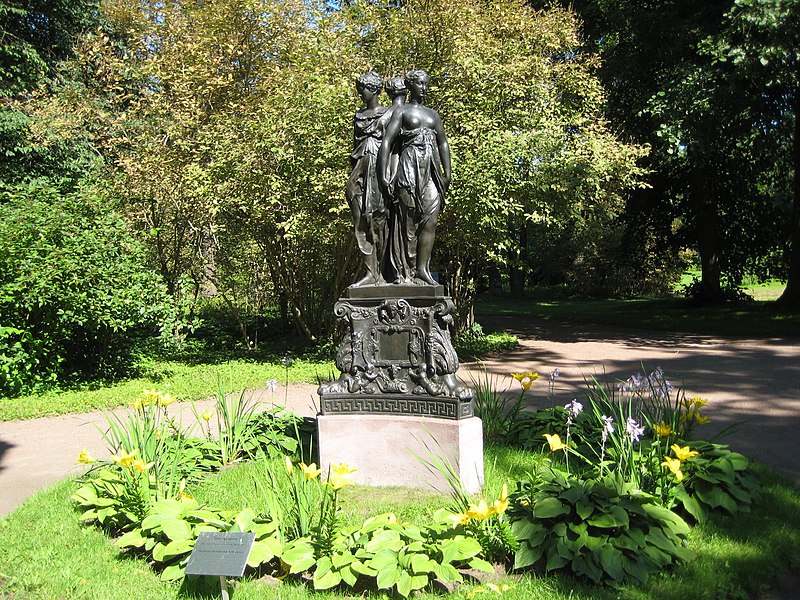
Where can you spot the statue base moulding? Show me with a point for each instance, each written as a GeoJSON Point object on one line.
{"type": "Point", "coordinates": [398, 377]}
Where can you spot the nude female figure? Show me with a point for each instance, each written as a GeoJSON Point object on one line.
{"type": "Point", "coordinates": [419, 185]}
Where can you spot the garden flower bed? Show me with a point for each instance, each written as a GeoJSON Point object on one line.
{"type": "Point", "coordinates": [614, 497]}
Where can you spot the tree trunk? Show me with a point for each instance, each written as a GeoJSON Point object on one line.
{"type": "Point", "coordinates": [708, 237]}
{"type": "Point", "coordinates": [517, 271]}
{"type": "Point", "coordinates": [791, 295]}
{"type": "Point", "coordinates": [495, 281]}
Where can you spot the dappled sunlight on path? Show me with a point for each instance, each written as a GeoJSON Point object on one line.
{"type": "Point", "coordinates": [752, 385]}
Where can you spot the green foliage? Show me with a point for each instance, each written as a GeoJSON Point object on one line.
{"type": "Point", "coordinates": [170, 530]}
{"type": "Point", "coordinates": [602, 529]}
{"type": "Point", "coordinates": [73, 285]}
{"type": "Point", "coordinates": [473, 343]}
{"type": "Point", "coordinates": [716, 479]}
{"type": "Point", "coordinates": [497, 410]}
{"type": "Point", "coordinates": [386, 554]}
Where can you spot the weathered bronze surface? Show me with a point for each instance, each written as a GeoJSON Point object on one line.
{"type": "Point", "coordinates": [395, 352]}
{"type": "Point", "coordinates": [396, 357]}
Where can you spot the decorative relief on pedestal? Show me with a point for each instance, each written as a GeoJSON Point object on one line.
{"type": "Point", "coordinates": [396, 357]}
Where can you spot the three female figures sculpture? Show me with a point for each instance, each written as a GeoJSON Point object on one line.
{"type": "Point", "coordinates": [401, 172]}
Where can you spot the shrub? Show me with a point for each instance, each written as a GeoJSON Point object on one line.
{"type": "Point", "coordinates": [73, 286]}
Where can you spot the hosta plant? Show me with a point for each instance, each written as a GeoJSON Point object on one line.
{"type": "Point", "coordinates": [387, 554]}
{"type": "Point", "coordinates": [601, 529]}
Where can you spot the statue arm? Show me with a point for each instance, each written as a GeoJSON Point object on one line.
{"type": "Point", "coordinates": [444, 151]}
{"type": "Point", "coordinates": [389, 136]}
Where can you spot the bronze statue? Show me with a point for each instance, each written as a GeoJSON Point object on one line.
{"type": "Point", "coordinates": [417, 189]}
{"type": "Point", "coordinates": [367, 203]}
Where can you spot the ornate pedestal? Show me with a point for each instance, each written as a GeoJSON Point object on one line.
{"type": "Point", "coordinates": [396, 356]}
{"type": "Point", "coordinates": [398, 399]}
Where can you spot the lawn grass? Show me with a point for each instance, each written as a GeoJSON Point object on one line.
{"type": "Point", "coordinates": [184, 381]}
{"type": "Point", "coordinates": [749, 319]}
{"type": "Point", "coordinates": [46, 553]}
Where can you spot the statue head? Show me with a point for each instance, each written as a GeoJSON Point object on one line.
{"type": "Point", "coordinates": [416, 76]}
{"type": "Point", "coordinates": [370, 81]}
{"type": "Point", "coordinates": [396, 86]}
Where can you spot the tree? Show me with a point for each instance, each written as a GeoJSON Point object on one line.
{"type": "Point", "coordinates": [522, 109]}
{"type": "Point", "coordinates": [668, 88]}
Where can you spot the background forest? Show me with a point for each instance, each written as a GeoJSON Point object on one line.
{"type": "Point", "coordinates": [164, 159]}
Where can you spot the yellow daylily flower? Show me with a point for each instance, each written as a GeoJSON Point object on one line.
{"type": "Point", "coordinates": [140, 466]}
{"type": "Point", "coordinates": [310, 471]}
{"type": "Point", "coordinates": [124, 459]}
{"type": "Point", "coordinates": [207, 415]}
{"type": "Point", "coordinates": [674, 465]}
{"type": "Point", "coordinates": [165, 400]}
{"type": "Point", "coordinates": [555, 442]}
{"type": "Point", "coordinates": [150, 396]}
{"type": "Point", "coordinates": [458, 519]}
{"type": "Point", "coordinates": [288, 464]}
{"type": "Point", "coordinates": [86, 458]}
{"type": "Point", "coordinates": [701, 419]}
{"type": "Point", "coordinates": [699, 402]}
{"type": "Point", "coordinates": [340, 476]}
{"type": "Point", "coordinates": [480, 511]}
{"type": "Point", "coordinates": [683, 453]}
{"type": "Point", "coordinates": [663, 429]}
{"type": "Point", "coordinates": [525, 379]}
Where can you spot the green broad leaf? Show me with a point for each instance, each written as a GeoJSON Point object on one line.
{"type": "Point", "coordinates": [419, 581]}
{"type": "Point", "coordinates": [262, 552]}
{"type": "Point", "coordinates": [404, 584]}
{"type": "Point", "coordinates": [244, 520]}
{"type": "Point", "coordinates": [421, 563]}
{"type": "Point", "coordinates": [385, 559]}
{"type": "Point", "coordinates": [172, 573]}
{"type": "Point", "coordinates": [349, 576]}
{"type": "Point", "coordinates": [584, 508]}
{"type": "Point", "coordinates": [659, 558]}
{"type": "Point", "coordinates": [586, 566]}
{"type": "Point", "coordinates": [667, 517]}
{"type": "Point", "coordinates": [611, 561]}
{"type": "Point", "coordinates": [716, 498]}
{"type": "Point", "coordinates": [176, 529]}
{"type": "Point", "coordinates": [447, 573]}
{"type": "Point", "coordinates": [340, 560]}
{"type": "Point", "coordinates": [738, 462]}
{"type": "Point", "coordinates": [740, 494]}
{"type": "Point", "coordinates": [385, 539]}
{"type": "Point", "coordinates": [89, 515]}
{"type": "Point", "coordinates": [264, 529]}
{"type": "Point", "coordinates": [326, 580]}
{"type": "Point", "coordinates": [167, 508]}
{"type": "Point", "coordinates": [555, 560]}
{"type": "Point", "coordinates": [604, 520]}
{"type": "Point", "coordinates": [524, 529]}
{"type": "Point", "coordinates": [132, 539]}
{"type": "Point", "coordinates": [549, 508]}
{"type": "Point", "coordinates": [153, 522]}
{"type": "Point", "coordinates": [387, 577]}
{"type": "Point", "coordinates": [178, 548]}
{"type": "Point", "coordinates": [527, 555]}
{"type": "Point", "coordinates": [625, 542]}
{"type": "Point", "coordinates": [573, 494]}
{"type": "Point", "coordinates": [158, 552]}
{"type": "Point", "coordinates": [359, 567]}
{"type": "Point", "coordinates": [299, 556]}
{"type": "Point", "coordinates": [657, 538]}
{"type": "Point", "coordinates": [693, 507]}
{"type": "Point", "coordinates": [637, 570]}
{"type": "Point", "coordinates": [481, 565]}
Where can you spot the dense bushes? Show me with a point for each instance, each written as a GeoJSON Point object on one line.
{"type": "Point", "coordinates": [73, 288]}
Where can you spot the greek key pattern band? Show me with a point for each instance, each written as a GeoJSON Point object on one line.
{"type": "Point", "coordinates": [443, 408]}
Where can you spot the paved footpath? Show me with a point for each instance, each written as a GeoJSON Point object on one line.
{"type": "Point", "coordinates": [754, 384]}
